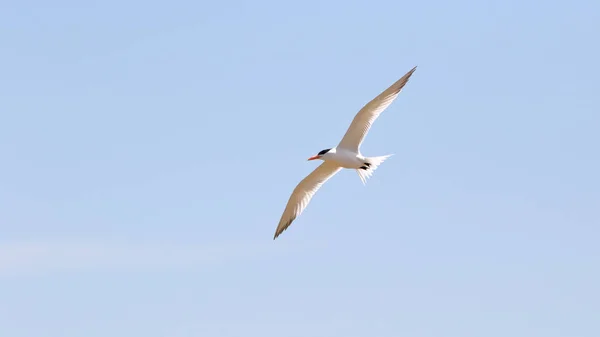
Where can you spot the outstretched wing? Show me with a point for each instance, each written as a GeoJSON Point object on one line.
{"type": "Point", "coordinates": [303, 193]}
{"type": "Point", "coordinates": [368, 114]}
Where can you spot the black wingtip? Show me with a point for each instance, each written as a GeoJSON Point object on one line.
{"type": "Point", "coordinates": [410, 72]}
{"type": "Point", "coordinates": [277, 233]}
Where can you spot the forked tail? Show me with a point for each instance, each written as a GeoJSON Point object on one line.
{"type": "Point", "coordinates": [371, 164]}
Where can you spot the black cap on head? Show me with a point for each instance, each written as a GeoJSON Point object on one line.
{"type": "Point", "coordinates": [323, 152]}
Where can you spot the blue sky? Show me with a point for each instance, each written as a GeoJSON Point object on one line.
{"type": "Point", "coordinates": [149, 149]}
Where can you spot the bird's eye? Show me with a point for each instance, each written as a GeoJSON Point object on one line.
{"type": "Point", "coordinates": [323, 152]}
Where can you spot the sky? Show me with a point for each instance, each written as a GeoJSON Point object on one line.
{"type": "Point", "coordinates": [149, 148]}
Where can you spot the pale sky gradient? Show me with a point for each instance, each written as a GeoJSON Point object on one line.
{"type": "Point", "coordinates": [148, 150]}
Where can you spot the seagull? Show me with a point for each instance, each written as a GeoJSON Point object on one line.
{"type": "Point", "coordinates": [345, 155]}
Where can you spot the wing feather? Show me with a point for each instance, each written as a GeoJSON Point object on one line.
{"type": "Point", "coordinates": [368, 114]}
{"type": "Point", "coordinates": [303, 193]}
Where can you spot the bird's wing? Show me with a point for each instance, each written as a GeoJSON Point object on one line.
{"type": "Point", "coordinates": [303, 193]}
{"type": "Point", "coordinates": [366, 116]}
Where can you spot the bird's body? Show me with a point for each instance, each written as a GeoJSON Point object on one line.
{"type": "Point", "coordinates": [345, 155]}
{"type": "Point", "coordinates": [344, 158]}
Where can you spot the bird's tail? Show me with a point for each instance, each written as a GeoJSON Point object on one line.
{"type": "Point", "coordinates": [371, 164]}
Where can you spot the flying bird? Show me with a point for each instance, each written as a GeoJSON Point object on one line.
{"type": "Point", "coordinates": [345, 155]}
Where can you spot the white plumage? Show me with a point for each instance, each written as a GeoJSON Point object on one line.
{"type": "Point", "coordinates": [345, 155]}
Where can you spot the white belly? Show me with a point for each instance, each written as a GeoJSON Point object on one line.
{"type": "Point", "coordinates": [347, 159]}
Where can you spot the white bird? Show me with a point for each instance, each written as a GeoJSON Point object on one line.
{"type": "Point", "coordinates": [345, 155]}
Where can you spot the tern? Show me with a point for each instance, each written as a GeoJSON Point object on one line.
{"type": "Point", "coordinates": [345, 155]}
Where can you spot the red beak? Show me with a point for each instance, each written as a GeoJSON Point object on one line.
{"type": "Point", "coordinates": [314, 157]}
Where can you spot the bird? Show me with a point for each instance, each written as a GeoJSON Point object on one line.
{"type": "Point", "coordinates": [345, 155]}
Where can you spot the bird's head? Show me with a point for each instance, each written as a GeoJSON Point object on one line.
{"type": "Point", "coordinates": [322, 154]}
